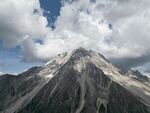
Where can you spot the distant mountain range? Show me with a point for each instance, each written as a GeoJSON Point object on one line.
{"type": "Point", "coordinates": [81, 81]}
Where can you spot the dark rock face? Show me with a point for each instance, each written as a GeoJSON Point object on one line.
{"type": "Point", "coordinates": [6, 89]}
{"type": "Point", "coordinates": [122, 101]}
{"type": "Point", "coordinates": [78, 85]}
{"type": "Point", "coordinates": [107, 96]}
{"type": "Point", "coordinates": [14, 87]}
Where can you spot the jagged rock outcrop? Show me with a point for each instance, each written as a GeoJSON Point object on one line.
{"type": "Point", "coordinates": [81, 81]}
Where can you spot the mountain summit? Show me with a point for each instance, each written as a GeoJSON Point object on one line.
{"type": "Point", "coordinates": [81, 81]}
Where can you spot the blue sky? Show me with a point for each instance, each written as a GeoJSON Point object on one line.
{"type": "Point", "coordinates": [52, 10]}
{"type": "Point", "coordinates": [11, 61]}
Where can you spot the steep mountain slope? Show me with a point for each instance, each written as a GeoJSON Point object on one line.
{"type": "Point", "coordinates": [78, 82]}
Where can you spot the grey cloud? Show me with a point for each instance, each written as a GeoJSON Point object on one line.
{"type": "Point", "coordinates": [132, 62]}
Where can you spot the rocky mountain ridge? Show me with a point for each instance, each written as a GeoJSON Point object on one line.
{"type": "Point", "coordinates": [81, 81]}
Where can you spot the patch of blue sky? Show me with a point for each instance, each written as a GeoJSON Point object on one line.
{"type": "Point", "coordinates": [51, 10]}
{"type": "Point", "coordinates": [11, 61]}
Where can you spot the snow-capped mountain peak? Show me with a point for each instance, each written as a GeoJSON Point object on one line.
{"type": "Point", "coordinates": [81, 81]}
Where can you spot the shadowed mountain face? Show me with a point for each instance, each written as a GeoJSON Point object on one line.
{"type": "Point", "coordinates": [78, 82]}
